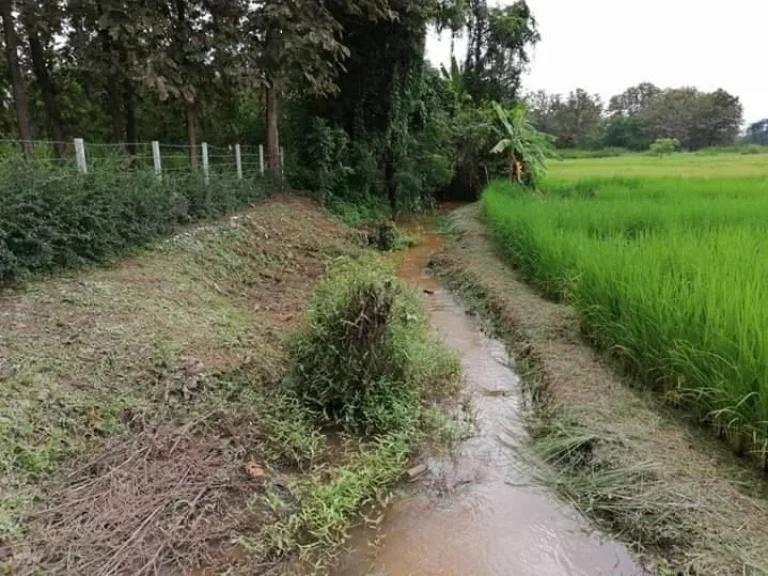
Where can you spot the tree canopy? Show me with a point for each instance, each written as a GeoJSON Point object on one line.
{"type": "Point", "coordinates": [638, 116]}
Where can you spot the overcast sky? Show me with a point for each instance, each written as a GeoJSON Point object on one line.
{"type": "Point", "coordinates": [605, 46]}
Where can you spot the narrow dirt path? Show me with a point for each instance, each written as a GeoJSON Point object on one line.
{"type": "Point", "coordinates": [476, 511]}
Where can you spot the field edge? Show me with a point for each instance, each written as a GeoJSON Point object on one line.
{"type": "Point", "coordinates": [611, 451]}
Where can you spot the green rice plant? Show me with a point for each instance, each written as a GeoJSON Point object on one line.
{"type": "Point", "coordinates": [669, 273]}
{"type": "Point", "coordinates": [364, 358]}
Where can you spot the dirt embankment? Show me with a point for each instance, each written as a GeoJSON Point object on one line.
{"type": "Point", "coordinates": [137, 430]}
{"type": "Point", "coordinates": [636, 469]}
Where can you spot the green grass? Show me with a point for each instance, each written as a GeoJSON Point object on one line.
{"type": "Point", "coordinates": [668, 272]}
{"type": "Point", "coordinates": [703, 163]}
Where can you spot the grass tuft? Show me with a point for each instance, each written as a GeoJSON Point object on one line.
{"type": "Point", "coordinates": [364, 357]}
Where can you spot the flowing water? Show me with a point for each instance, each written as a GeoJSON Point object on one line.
{"type": "Point", "coordinates": [474, 512]}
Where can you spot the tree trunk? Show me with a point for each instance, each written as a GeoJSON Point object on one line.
{"type": "Point", "coordinates": [17, 80]}
{"type": "Point", "coordinates": [131, 129]}
{"type": "Point", "coordinates": [48, 90]}
{"type": "Point", "coordinates": [390, 184]}
{"type": "Point", "coordinates": [129, 103]}
{"type": "Point", "coordinates": [114, 89]}
{"type": "Point", "coordinates": [191, 113]}
{"type": "Point", "coordinates": [273, 132]}
{"type": "Point", "coordinates": [115, 97]}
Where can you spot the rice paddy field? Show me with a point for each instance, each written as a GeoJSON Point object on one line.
{"type": "Point", "coordinates": [666, 262]}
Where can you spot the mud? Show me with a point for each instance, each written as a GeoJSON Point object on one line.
{"type": "Point", "coordinates": [475, 512]}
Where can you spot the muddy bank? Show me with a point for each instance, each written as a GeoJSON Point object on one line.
{"type": "Point", "coordinates": [634, 468]}
{"type": "Point", "coordinates": [137, 421]}
{"type": "Point", "coordinates": [476, 510]}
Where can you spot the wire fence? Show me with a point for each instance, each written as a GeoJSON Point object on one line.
{"type": "Point", "coordinates": [163, 159]}
{"type": "Point", "coordinates": [66, 203]}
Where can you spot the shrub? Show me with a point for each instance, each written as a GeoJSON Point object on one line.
{"type": "Point", "coordinates": [664, 146]}
{"type": "Point", "coordinates": [53, 218]}
{"type": "Point", "coordinates": [364, 358]}
{"type": "Point", "coordinates": [609, 152]}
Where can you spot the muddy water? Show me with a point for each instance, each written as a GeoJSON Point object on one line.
{"type": "Point", "coordinates": [474, 513]}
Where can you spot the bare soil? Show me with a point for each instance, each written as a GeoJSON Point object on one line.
{"type": "Point", "coordinates": [630, 464]}
{"type": "Point", "coordinates": [136, 428]}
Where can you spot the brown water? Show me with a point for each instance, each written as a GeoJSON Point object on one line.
{"type": "Point", "coordinates": [475, 513]}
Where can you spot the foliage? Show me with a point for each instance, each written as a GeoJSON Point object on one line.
{"type": "Point", "coordinates": [664, 146]}
{"type": "Point", "coordinates": [574, 120]}
{"type": "Point", "coordinates": [364, 357]}
{"type": "Point", "coordinates": [610, 152]}
{"type": "Point", "coordinates": [638, 116]}
{"type": "Point", "coordinates": [53, 218]}
{"type": "Point", "coordinates": [697, 119]}
{"type": "Point", "coordinates": [662, 271]}
{"type": "Point", "coordinates": [626, 132]}
{"type": "Point", "coordinates": [757, 133]}
{"type": "Point", "coordinates": [499, 39]}
{"type": "Point", "coordinates": [473, 139]}
{"type": "Point", "coordinates": [633, 101]}
{"type": "Point", "coordinates": [327, 504]}
{"type": "Point", "coordinates": [527, 148]}
{"type": "Point", "coordinates": [352, 74]}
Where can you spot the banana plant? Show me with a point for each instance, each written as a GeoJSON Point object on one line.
{"type": "Point", "coordinates": [526, 147]}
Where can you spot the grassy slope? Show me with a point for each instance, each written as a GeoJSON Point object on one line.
{"type": "Point", "coordinates": [138, 426]}
{"type": "Point", "coordinates": [639, 472]}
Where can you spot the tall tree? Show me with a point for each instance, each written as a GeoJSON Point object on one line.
{"type": "Point", "coordinates": [17, 78]}
{"type": "Point", "coordinates": [573, 120]}
{"type": "Point", "coordinates": [301, 51]}
{"type": "Point", "coordinates": [381, 79]}
{"type": "Point", "coordinates": [633, 100]}
{"type": "Point", "coordinates": [695, 118]}
{"type": "Point", "coordinates": [41, 23]}
{"type": "Point", "coordinates": [757, 133]}
{"type": "Point", "coordinates": [498, 42]}
{"type": "Point", "coordinates": [179, 64]}
{"type": "Point", "coordinates": [717, 119]}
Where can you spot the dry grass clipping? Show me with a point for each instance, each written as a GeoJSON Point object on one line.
{"type": "Point", "coordinates": [159, 503]}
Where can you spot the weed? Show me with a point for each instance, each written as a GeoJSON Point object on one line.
{"type": "Point", "coordinates": [364, 357]}
{"type": "Point", "coordinates": [327, 501]}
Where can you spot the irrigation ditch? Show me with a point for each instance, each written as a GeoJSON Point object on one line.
{"type": "Point", "coordinates": [230, 399]}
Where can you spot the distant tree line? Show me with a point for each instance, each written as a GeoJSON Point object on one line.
{"type": "Point", "coordinates": [641, 115]}
{"type": "Point", "coordinates": [757, 133]}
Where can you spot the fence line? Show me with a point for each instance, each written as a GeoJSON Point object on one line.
{"type": "Point", "coordinates": [238, 157]}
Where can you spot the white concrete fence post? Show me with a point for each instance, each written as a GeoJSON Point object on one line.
{"type": "Point", "coordinates": [261, 159]}
{"type": "Point", "coordinates": [239, 162]}
{"type": "Point", "coordinates": [156, 160]}
{"type": "Point", "coordinates": [206, 171]}
{"type": "Point", "coordinates": [82, 166]}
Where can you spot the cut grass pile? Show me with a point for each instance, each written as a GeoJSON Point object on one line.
{"type": "Point", "coordinates": [670, 273]}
